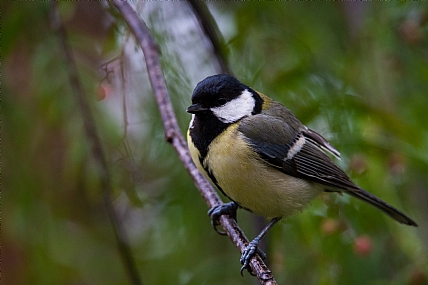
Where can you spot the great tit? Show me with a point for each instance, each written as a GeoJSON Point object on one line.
{"type": "Point", "coordinates": [262, 157]}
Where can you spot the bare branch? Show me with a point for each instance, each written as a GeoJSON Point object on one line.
{"type": "Point", "coordinates": [210, 29]}
{"type": "Point", "coordinates": [173, 134]}
{"type": "Point", "coordinates": [97, 151]}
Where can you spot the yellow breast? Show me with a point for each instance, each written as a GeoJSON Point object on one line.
{"type": "Point", "coordinates": [251, 182]}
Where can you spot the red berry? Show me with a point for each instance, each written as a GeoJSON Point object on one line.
{"type": "Point", "coordinates": [363, 245]}
{"type": "Point", "coordinates": [103, 90]}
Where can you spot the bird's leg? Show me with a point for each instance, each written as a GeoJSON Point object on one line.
{"type": "Point", "coordinates": [252, 248]}
{"type": "Point", "coordinates": [223, 209]}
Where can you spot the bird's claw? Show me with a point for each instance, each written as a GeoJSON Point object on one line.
{"type": "Point", "coordinates": [248, 253]}
{"type": "Point", "coordinates": [224, 209]}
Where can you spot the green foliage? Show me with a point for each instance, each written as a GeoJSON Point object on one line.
{"type": "Point", "coordinates": [355, 72]}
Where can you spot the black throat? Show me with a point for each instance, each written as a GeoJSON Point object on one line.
{"type": "Point", "coordinates": [204, 130]}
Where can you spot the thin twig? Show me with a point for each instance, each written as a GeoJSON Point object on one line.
{"type": "Point", "coordinates": [97, 151]}
{"type": "Point", "coordinates": [173, 134]}
{"type": "Point", "coordinates": [211, 30]}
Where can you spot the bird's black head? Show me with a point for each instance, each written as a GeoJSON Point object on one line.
{"type": "Point", "coordinates": [224, 97]}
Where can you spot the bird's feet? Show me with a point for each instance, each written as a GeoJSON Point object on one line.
{"type": "Point", "coordinates": [223, 209]}
{"type": "Point", "coordinates": [248, 253]}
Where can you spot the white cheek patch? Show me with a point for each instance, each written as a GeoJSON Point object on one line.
{"type": "Point", "coordinates": [191, 121]}
{"type": "Point", "coordinates": [296, 147]}
{"type": "Point", "coordinates": [236, 109]}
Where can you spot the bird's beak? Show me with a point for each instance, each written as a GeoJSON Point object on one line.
{"type": "Point", "coordinates": [196, 108]}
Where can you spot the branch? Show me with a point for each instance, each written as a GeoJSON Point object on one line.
{"type": "Point", "coordinates": [211, 31]}
{"type": "Point", "coordinates": [97, 151]}
{"type": "Point", "coordinates": [173, 134]}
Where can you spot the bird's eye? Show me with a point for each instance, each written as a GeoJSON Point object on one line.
{"type": "Point", "coordinates": [221, 101]}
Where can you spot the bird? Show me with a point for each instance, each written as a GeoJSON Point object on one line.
{"type": "Point", "coordinates": [260, 156]}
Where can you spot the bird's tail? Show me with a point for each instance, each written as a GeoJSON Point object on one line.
{"type": "Point", "coordinates": [383, 206]}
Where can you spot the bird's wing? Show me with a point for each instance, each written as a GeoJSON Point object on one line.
{"type": "Point", "coordinates": [299, 152]}
{"type": "Point", "coordinates": [296, 152]}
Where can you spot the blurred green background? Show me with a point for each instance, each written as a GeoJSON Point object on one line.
{"type": "Point", "coordinates": [355, 72]}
